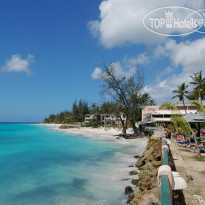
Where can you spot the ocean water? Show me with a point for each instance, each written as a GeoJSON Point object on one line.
{"type": "Point", "coordinates": [42, 166]}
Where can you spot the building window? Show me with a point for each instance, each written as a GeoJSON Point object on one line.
{"type": "Point", "coordinates": [157, 116]}
{"type": "Point", "coordinates": [167, 116]}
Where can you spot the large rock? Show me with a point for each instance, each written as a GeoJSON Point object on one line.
{"type": "Point", "coordinates": [134, 172]}
{"type": "Point", "coordinates": [136, 156]}
{"type": "Point", "coordinates": [64, 127]}
{"type": "Point", "coordinates": [147, 183]}
{"type": "Point", "coordinates": [128, 190]}
{"type": "Point", "coordinates": [68, 126]}
{"type": "Point", "coordinates": [130, 197]}
{"type": "Point", "coordinates": [135, 181]}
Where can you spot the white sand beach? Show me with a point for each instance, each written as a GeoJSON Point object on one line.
{"type": "Point", "coordinates": [90, 130]}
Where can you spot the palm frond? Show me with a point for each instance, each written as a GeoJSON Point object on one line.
{"type": "Point", "coordinates": [199, 106]}
{"type": "Point", "coordinates": [169, 106]}
{"type": "Point", "coordinates": [182, 123]}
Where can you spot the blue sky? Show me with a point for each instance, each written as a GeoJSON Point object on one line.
{"type": "Point", "coordinates": [50, 50]}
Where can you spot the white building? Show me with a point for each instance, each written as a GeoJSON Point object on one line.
{"type": "Point", "coordinates": [105, 118]}
{"type": "Point", "coordinates": [155, 114]}
{"type": "Point", "coordinates": [89, 117]}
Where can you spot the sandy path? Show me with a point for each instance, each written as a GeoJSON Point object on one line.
{"type": "Point", "coordinates": [186, 164]}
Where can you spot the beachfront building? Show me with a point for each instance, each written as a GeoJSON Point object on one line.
{"type": "Point", "coordinates": [89, 117]}
{"type": "Point", "coordinates": [106, 119]}
{"type": "Point", "coordinates": [155, 114]}
{"type": "Point", "coordinates": [188, 106]}
{"type": "Point", "coordinates": [111, 119]}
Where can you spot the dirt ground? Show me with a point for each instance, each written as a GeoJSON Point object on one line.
{"type": "Point", "coordinates": [192, 171]}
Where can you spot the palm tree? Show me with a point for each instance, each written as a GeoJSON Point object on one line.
{"type": "Point", "coordinates": [181, 93]}
{"type": "Point", "coordinates": [199, 106]}
{"type": "Point", "coordinates": [194, 95]}
{"type": "Point", "coordinates": [181, 121]}
{"type": "Point", "coordinates": [199, 82]}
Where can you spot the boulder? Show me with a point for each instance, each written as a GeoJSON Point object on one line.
{"type": "Point", "coordinates": [135, 181]}
{"type": "Point", "coordinates": [128, 190]}
{"type": "Point", "coordinates": [134, 172]}
{"type": "Point", "coordinates": [130, 197]}
{"type": "Point", "coordinates": [64, 127]}
{"type": "Point", "coordinates": [136, 156]}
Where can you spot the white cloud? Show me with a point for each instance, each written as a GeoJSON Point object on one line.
{"type": "Point", "coordinates": [162, 91]}
{"type": "Point", "coordinates": [121, 21]}
{"type": "Point", "coordinates": [142, 59]}
{"type": "Point", "coordinates": [127, 67]}
{"type": "Point", "coordinates": [96, 73]}
{"type": "Point", "coordinates": [118, 70]}
{"type": "Point", "coordinates": [130, 70]}
{"type": "Point", "coordinates": [17, 64]}
{"type": "Point", "coordinates": [94, 27]}
{"type": "Point", "coordinates": [189, 55]}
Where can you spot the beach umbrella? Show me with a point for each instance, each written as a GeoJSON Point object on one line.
{"type": "Point", "coordinates": [197, 117]}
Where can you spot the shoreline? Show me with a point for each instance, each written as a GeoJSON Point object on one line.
{"type": "Point", "coordinates": [103, 163]}
{"type": "Point", "coordinates": [113, 135]}
{"type": "Point", "coordinates": [115, 132]}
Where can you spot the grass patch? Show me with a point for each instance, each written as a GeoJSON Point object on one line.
{"type": "Point", "coordinates": [202, 172]}
{"type": "Point", "coordinates": [200, 158]}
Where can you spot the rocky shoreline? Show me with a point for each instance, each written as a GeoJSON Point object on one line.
{"type": "Point", "coordinates": [146, 191]}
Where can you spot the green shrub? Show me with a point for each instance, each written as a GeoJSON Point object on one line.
{"type": "Point", "coordinates": [93, 123]}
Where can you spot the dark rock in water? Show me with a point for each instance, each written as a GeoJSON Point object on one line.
{"type": "Point", "coordinates": [130, 136]}
{"type": "Point", "coordinates": [130, 197]}
{"type": "Point", "coordinates": [135, 181]}
{"type": "Point", "coordinates": [134, 172]}
{"type": "Point", "coordinates": [128, 190]}
{"type": "Point", "coordinates": [136, 156]}
{"type": "Point", "coordinates": [131, 166]}
{"type": "Point", "coordinates": [117, 138]}
{"type": "Point", "coordinates": [64, 127]}
{"type": "Point", "coordinates": [126, 179]}
{"type": "Point", "coordinates": [68, 126]}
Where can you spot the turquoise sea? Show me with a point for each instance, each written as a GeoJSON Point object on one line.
{"type": "Point", "coordinates": [42, 166]}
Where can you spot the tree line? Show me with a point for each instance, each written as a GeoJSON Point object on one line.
{"type": "Point", "coordinates": [126, 94]}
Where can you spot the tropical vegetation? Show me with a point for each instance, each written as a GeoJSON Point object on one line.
{"type": "Point", "coordinates": [127, 99]}
{"type": "Point", "coordinates": [181, 92]}
{"type": "Point", "coordinates": [198, 91]}
{"type": "Point", "coordinates": [179, 123]}
{"type": "Point", "coordinates": [127, 93]}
